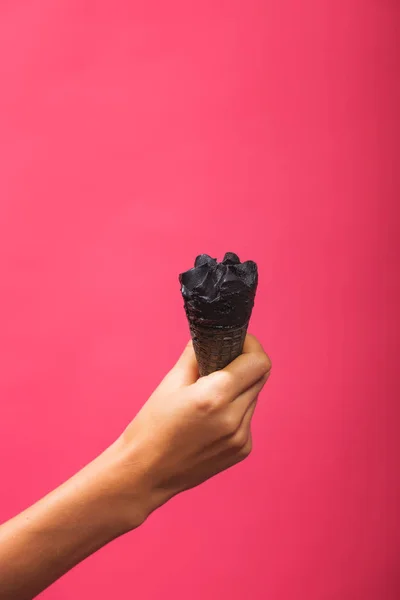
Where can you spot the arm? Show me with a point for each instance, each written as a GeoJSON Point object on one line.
{"type": "Point", "coordinates": [189, 430]}
{"type": "Point", "coordinates": [50, 537]}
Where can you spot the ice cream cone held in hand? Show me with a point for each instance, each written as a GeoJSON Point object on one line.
{"type": "Point", "coordinates": [218, 299]}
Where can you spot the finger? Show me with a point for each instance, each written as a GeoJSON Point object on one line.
{"type": "Point", "coordinates": [251, 344]}
{"type": "Point", "coordinates": [238, 436]}
{"type": "Point", "coordinates": [236, 378]}
{"type": "Point", "coordinates": [244, 405]}
{"type": "Point", "coordinates": [248, 415]}
{"type": "Point", "coordinates": [186, 371]}
{"type": "Point", "coordinates": [240, 442]}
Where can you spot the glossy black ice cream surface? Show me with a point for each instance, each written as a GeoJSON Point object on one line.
{"type": "Point", "coordinates": [219, 294]}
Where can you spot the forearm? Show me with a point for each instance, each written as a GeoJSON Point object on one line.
{"type": "Point", "coordinates": [85, 513]}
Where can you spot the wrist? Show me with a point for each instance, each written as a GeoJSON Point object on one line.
{"type": "Point", "coordinates": [135, 477]}
{"type": "Point", "coordinates": [119, 489]}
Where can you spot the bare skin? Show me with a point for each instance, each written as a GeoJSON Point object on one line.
{"type": "Point", "coordinates": [189, 430]}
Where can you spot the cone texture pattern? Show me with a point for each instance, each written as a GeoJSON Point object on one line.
{"type": "Point", "coordinates": [216, 348]}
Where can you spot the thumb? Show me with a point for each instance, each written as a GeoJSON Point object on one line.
{"type": "Point", "coordinates": [186, 371]}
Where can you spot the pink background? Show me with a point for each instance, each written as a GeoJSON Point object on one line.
{"type": "Point", "coordinates": [148, 132]}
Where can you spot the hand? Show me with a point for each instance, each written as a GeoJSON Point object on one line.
{"type": "Point", "coordinates": [191, 429]}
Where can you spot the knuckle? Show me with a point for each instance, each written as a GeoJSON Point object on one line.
{"type": "Point", "coordinates": [205, 403]}
{"type": "Point", "coordinates": [229, 424]}
{"type": "Point", "coordinates": [222, 381]}
{"type": "Point", "coordinates": [214, 390]}
{"type": "Point", "coordinates": [239, 440]}
{"type": "Point", "coordinates": [218, 399]}
{"type": "Point", "coordinates": [245, 451]}
{"type": "Point", "coordinates": [263, 362]}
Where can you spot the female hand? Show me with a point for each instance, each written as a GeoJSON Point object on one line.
{"type": "Point", "coordinates": [192, 428]}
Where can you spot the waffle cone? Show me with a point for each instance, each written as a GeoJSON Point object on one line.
{"type": "Point", "coordinates": [216, 347]}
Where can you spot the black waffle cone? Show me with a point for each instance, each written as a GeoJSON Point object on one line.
{"type": "Point", "coordinates": [219, 299]}
{"type": "Point", "coordinates": [216, 348]}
